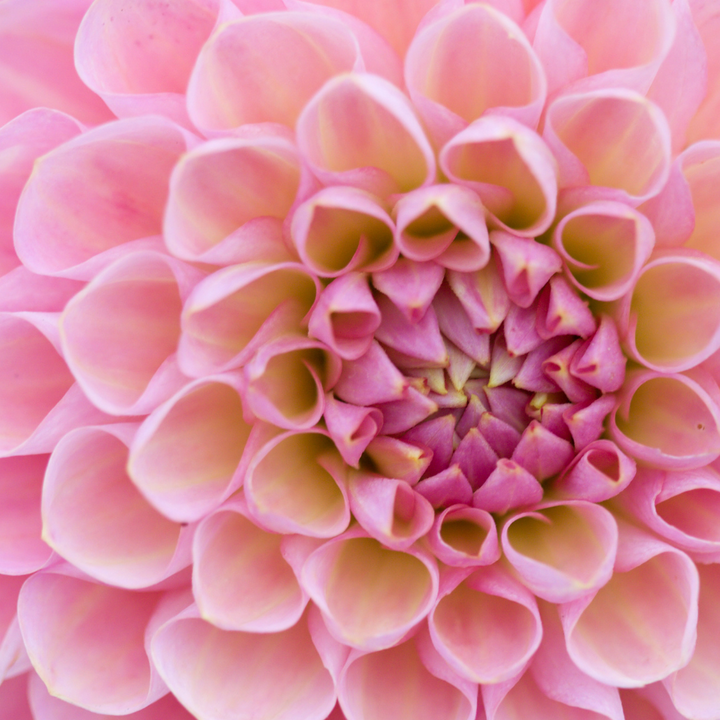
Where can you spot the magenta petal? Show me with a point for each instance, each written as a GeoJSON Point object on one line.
{"type": "Point", "coordinates": [71, 657]}
{"type": "Point", "coordinates": [404, 414]}
{"type": "Point", "coordinates": [600, 361]}
{"type": "Point", "coordinates": [14, 699]}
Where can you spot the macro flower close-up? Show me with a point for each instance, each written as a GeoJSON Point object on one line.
{"type": "Point", "coordinates": [360, 359]}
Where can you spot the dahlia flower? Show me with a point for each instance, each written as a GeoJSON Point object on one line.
{"type": "Point", "coordinates": [359, 359]}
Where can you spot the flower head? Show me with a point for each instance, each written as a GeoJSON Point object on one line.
{"type": "Point", "coordinates": [359, 360]}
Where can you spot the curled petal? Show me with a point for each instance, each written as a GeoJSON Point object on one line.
{"type": "Point", "coordinates": [231, 313]}
{"type": "Point", "coordinates": [599, 471]}
{"type": "Point", "coordinates": [557, 368]}
{"type": "Point", "coordinates": [241, 580]}
{"type": "Point", "coordinates": [119, 334]}
{"type": "Point", "coordinates": [71, 658]}
{"type": "Point", "coordinates": [668, 421]}
{"type": "Point", "coordinates": [228, 199]}
{"type": "Point", "coordinates": [445, 223]}
{"type": "Point", "coordinates": [469, 62]}
{"type": "Point", "coordinates": [511, 169]}
{"type": "Point", "coordinates": [97, 197]}
{"type": "Point", "coordinates": [265, 67]}
{"type": "Point", "coordinates": [485, 624]}
{"type": "Point", "coordinates": [369, 595]}
{"type": "Point", "coordinates": [464, 537]}
{"type": "Point", "coordinates": [185, 455]}
{"type": "Point", "coordinates": [389, 509]}
{"type": "Point", "coordinates": [586, 421]}
{"type": "Point", "coordinates": [599, 361]}
{"type": "Point", "coordinates": [352, 428]}
{"type": "Point", "coordinates": [673, 314]}
{"type": "Point", "coordinates": [97, 519]}
{"type": "Point", "coordinates": [562, 551]}
{"type": "Point", "coordinates": [370, 379]}
{"type": "Point", "coordinates": [704, 123]}
{"type": "Point", "coordinates": [604, 246]}
{"type": "Point", "coordinates": [614, 138]}
{"type": "Point", "coordinates": [342, 229]}
{"type": "Point", "coordinates": [562, 312]}
{"type": "Point", "coordinates": [361, 130]}
{"type": "Point", "coordinates": [118, 55]}
{"type": "Point", "coordinates": [407, 681]}
{"type": "Point", "coordinates": [640, 626]}
{"type": "Point", "coordinates": [410, 285]}
{"type": "Point", "coordinates": [308, 495]}
{"type": "Point", "coordinates": [13, 655]}
{"type": "Point", "coordinates": [220, 673]}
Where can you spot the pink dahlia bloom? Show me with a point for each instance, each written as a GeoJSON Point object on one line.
{"type": "Point", "coordinates": [359, 359]}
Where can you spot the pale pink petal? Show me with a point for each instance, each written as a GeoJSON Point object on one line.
{"type": "Point", "coordinates": [218, 674]}
{"type": "Point", "coordinates": [351, 428]}
{"type": "Point", "coordinates": [22, 550]}
{"type": "Point", "coordinates": [410, 285]}
{"type": "Point", "coordinates": [235, 310]}
{"type": "Point", "coordinates": [508, 486]}
{"type": "Point", "coordinates": [668, 421]}
{"type": "Point", "coordinates": [361, 130]}
{"type": "Point", "coordinates": [456, 324]}
{"type": "Point", "coordinates": [185, 455]}
{"type": "Point", "coordinates": [137, 57]}
{"type": "Point", "coordinates": [119, 334]}
{"type": "Point", "coordinates": [22, 141]}
{"type": "Point", "coordinates": [612, 138]}
{"type": "Point", "coordinates": [71, 657]}
{"type": "Point", "coordinates": [97, 519]}
{"type": "Point", "coordinates": [704, 123]}
{"type": "Point", "coordinates": [370, 596]}
{"type": "Point", "coordinates": [265, 68]}
{"type": "Point", "coordinates": [13, 657]}
{"type": "Point", "coordinates": [306, 496]}
{"type": "Point", "coordinates": [464, 537]}
{"type": "Point", "coordinates": [36, 60]}
{"type": "Point", "coordinates": [407, 682]}
{"type": "Point", "coordinates": [470, 62]}
{"type": "Point", "coordinates": [395, 458]}
{"type": "Point", "coordinates": [600, 361]}
{"type": "Point", "coordinates": [39, 399]}
{"type": "Point", "coordinates": [342, 229]}
{"type": "Point", "coordinates": [600, 471]}
{"type": "Point", "coordinates": [562, 551]}
{"type": "Point", "coordinates": [445, 223]}
{"type": "Point", "coordinates": [693, 689]}
{"type": "Point", "coordinates": [371, 379]}
{"type": "Point", "coordinates": [22, 290]}
{"type": "Point", "coordinates": [485, 624]}
{"type": "Point", "coordinates": [346, 316]}
{"type": "Point", "coordinates": [286, 381]}
{"type": "Point", "coordinates": [604, 246]}
{"type": "Point", "coordinates": [511, 169]}
{"type": "Point", "coordinates": [14, 703]}
{"type": "Point", "coordinates": [652, 700]}
{"type": "Point", "coordinates": [389, 509]}
{"type": "Point", "coordinates": [640, 626]}
{"type": "Point", "coordinates": [241, 581]}
{"type": "Point", "coordinates": [228, 199]}
{"type": "Point", "coordinates": [98, 196]}
{"type": "Point", "coordinates": [624, 43]}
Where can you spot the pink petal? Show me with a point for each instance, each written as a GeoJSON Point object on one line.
{"type": "Point", "coordinates": [507, 487]}
{"type": "Point", "coordinates": [562, 551]}
{"type": "Point", "coordinates": [464, 537]}
{"type": "Point", "coordinates": [704, 123]}
{"type": "Point", "coordinates": [240, 69]}
{"type": "Point", "coordinates": [370, 596]}
{"type": "Point", "coordinates": [485, 624]}
{"type": "Point", "coordinates": [586, 421]}
{"type": "Point", "coordinates": [407, 682]}
{"type": "Point", "coordinates": [228, 199]}
{"type": "Point", "coordinates": [604, 246]}
{"type": "Point", "coordinates": [13, 656]}
{"type": "Point", "coordinates": [436, 435]}
{"type": "Point", "coordinates": [71, 658]}
{"type": "Point", "coordinates": [342, 229]}
{"type": "Point", "coordinates": [470, 62]}
{"type": "Point", "coordinates": [389, 509]}
{"type": "Point", "coordinates": [542, 453]}
{"type": "Point", "coordinates": [120, 333]}
{"type": "Point", "coordinates": [370, 379]}
{"type": "Point", "coordinates": [600, 471]}
{"type": "Point", "coordinates": [36, 61]}
{"type": "Point", "coordinates": [185, 455]}
{"type": "Point", "coordinates": [351, 428]}
{"type": "Point", "coordinates": [394, 458]}
{"type": "Point", "coordinates": [218, 674]}
{"type": "Point", "coordinates": [668, 421]}
{"type": "Point", "coordinates": [22, 290]}
{"type": "Point", "coordinates": [241, 581]}
{"type": "Point", "coordinates": [97, 519]}
{"type": "Point", "coordinates": [612, 138]}
{"type": "Point", "coordinates": [138, 57]}
{"type": "Point", "coordinates": [14, 699]}
{"type": "Point", "coordinates": [231, 313]}
{"type": "Point", "coordinates": [511, 169]}
{"type": "Point", "coordinates": [519, 330]}
{"type": "Point", "coordinates": [600, 361]}
{"type": "Point", "coordinates": [361, 130]}
{"type": "Point", "coordinates": [307, 496]}
{"type": "Point", "coordinates": [557, 368]}
{"type": "Point", "coordinates": [445, 223]}
{"type": "Point", "coordinates": [402, 415]}
{"type": "Point", "coordinates": [562, 312]}
{"type": "Point", "coordinates": [97, 197]}
{"type": "Point", "coordinates": [640, 627]}
{"type": "Point", "coordinates": [410, 285]}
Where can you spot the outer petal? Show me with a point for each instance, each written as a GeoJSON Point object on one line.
{"type": "Point", "coordinates": [464, 537]}
{"type": "Point", "coordinates": [14, 699]}
{"type": "Point", "coordinates": [704, 124]}
{"type": "Point", "coordinates": [13, 656]}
